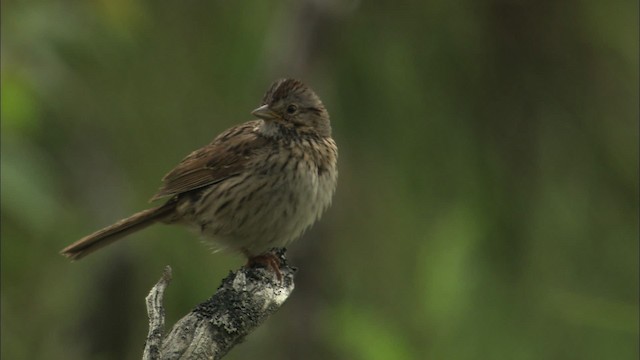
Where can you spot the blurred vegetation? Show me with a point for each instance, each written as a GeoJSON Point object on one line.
{"type": "Point", "coordinates": [488, 198]}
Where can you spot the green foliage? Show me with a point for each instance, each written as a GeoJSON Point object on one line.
{"type": "Point", "coordinates": [487, 206]}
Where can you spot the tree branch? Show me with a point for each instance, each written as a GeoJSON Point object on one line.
{"type": "Point", "coordinates": [246, 298]}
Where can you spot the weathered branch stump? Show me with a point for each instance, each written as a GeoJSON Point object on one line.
{"type": "Point", "coordinates": [244, 300]}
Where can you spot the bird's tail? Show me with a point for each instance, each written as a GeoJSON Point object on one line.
{"type": "Point", "coordinates": [117, 231]}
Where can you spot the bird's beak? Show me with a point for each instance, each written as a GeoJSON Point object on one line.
{"type": "Point", "coordinates": [263, 112]}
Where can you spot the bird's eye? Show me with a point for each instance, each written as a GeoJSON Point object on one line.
{"type": "Point", "coordinates": [291, 109]}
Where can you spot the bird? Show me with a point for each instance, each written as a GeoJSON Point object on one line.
{"type": "Point", "coordinates": [257, 186]}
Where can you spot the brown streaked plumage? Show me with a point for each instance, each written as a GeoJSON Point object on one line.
{"type": "Point", "coordinates": [256, 186]}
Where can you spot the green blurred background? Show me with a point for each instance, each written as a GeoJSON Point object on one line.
{"type": "Point", "coordinates": [487, 206]}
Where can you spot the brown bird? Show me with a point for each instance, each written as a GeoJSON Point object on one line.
{"type": "Point", "coordinates": [256, 186]}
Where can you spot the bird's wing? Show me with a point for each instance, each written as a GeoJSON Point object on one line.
{"type": "Point", "coordinates": [226, 156]}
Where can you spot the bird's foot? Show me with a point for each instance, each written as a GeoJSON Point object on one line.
{"type": "Point", "coordinates": [268, 260]}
